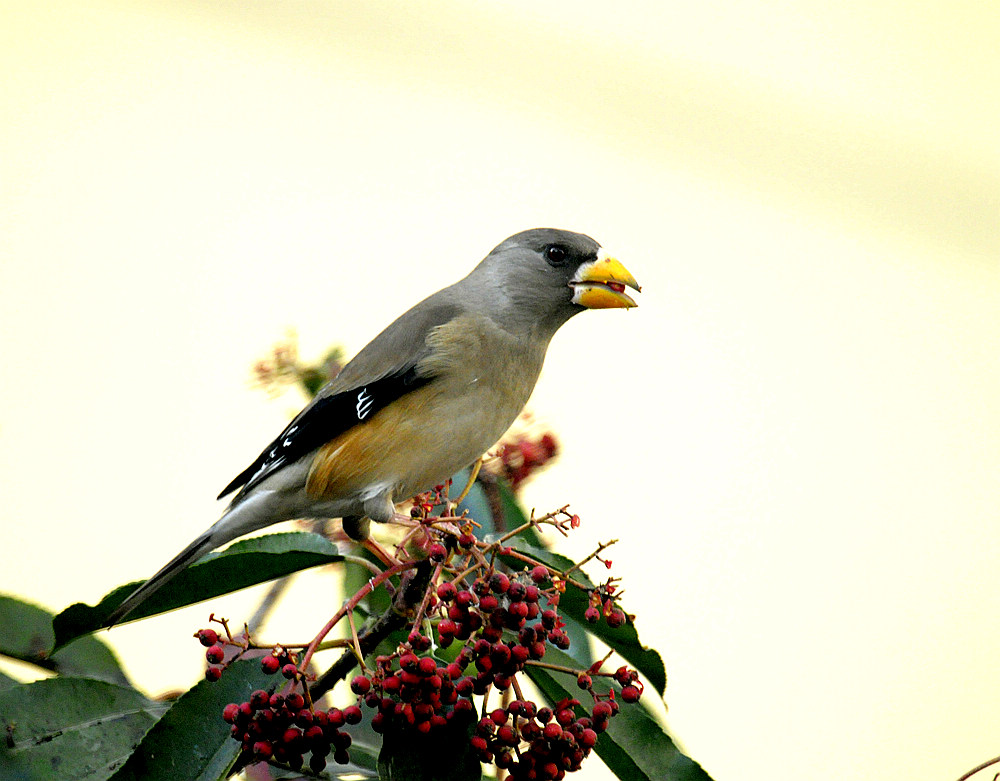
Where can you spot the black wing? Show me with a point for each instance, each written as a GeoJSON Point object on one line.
{"type": "Point", "coordinates": [327, 417]}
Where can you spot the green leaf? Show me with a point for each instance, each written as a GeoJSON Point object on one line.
{"type": "Point", "coordinates": [242, 564]}
{"type": "Point", "coordinates": [74, 728]}
{"type": "Point", "coordinates": [635, 747]}
{"type": "Point", "coordinates": [192, 742]}
{"type": "Point", "coordinates": [26, 635]}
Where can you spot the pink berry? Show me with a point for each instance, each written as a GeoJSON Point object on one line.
{"type": "Point", "coordinates": [215, 654]}
{"type": "Point", "coordinates": [207, 637]}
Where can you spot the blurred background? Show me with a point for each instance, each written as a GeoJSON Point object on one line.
{"type": "Point", "coordinates": [796, 436]}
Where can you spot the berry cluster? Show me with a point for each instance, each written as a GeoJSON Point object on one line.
{"type": "Point", "coordinates": [540, 743]}
{"type": "Point", "coordinates": [215, 653]}
{"type": "Point", "coordinates": [522, 457]}
{"type": "Point", "coordinates": [283, 728]}
{"type": "Point", "coordinates": [500, 621]}
{"type": "Point", "coordinates": [503, 627]}
{"type": "Point", "coordinates": [603, 603]}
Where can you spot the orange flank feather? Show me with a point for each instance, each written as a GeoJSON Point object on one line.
{"type": "Point", "coordinates": [379, 451]}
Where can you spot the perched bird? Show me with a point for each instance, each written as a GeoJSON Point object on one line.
{"type": "Point", "coordinates": [424, 399]}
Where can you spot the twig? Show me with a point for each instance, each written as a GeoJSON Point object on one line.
{"type": "Point", "coordinates": [410, 592]}
{"type": "Point", "coordinates": [976, 769]}
{"type": "Point", "coordinates": [600, 548]}
{"type": "Point", "coordinates": [352, 603]}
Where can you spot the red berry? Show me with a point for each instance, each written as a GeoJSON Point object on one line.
{"type": "Point", "coordinates": [352, 714]}
{"type": "Point", "coordinates": [630, 693]}
{"type": "Point", "coordinates": [262, 749]}
{"type": "Point", "coordinates": [616, 618]}
{"type": "Point", "coordinates": [592, 615]}
{"type": "Point", "coordinates": [601, 711]}
{"type": "Point", "coordinates": [437, 552]}
{"type": "Point", "coordinates": [230, 712]}
{"type": "Point", "coordinates": [584, 681]}
{"type": "Point", "coordinates": [506, 735]}
{"type": "Point", "coordinates": [588, 738]}
{"type": "Point", "coordinates": [409, 662]}
{"type": "Point", "coordinates": [446, 591]}
{"type": "Point", "coordinates": [289, 671]}
{"type": "Point", "coordinates": [215, 654]}
{"type": "Point", "coordinates": [360, 684]}
{"type": "Point", "coordinates": [207, 637]}
{"type": "Point", "coordinates": [466, 541]}
{"type": "Point", "coordinates": [519, 610]}
{"type": "Point", "coordinates": [540, 574]}
{"type": "Point", "coordinates": [499, 583]}
{"type": "Point", "coordinates": [259, 699]}
{"type": "Point", "coordinates": [270, 664]}
{"type": "Point", "coordinates": [213, 674]}
{"type": "Point", "coordinates": [317, 762]}
{"type": "Point", "coordinates": [295, 701]}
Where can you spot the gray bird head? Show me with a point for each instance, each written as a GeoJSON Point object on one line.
{"type": "Point", "coordinates": [537, 279]}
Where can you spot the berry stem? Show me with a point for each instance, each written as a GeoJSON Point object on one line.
{"type": "Point", "coordinates": [352, 603]}
{"type": "Point", "coordinates": [602, 546]}
{"type": "Point", "coordinates": [355, 643]}
{"type": "Point", "coordinates": [427, 595]}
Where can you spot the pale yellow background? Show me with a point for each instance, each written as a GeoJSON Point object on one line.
{"type": "Point", "coordinates": [796, 436]}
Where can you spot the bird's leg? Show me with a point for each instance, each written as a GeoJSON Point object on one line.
{"type": "Point", "coordinates": [380, 509]}
{"type": "Point", "coordinates": [356, 527]}
{"type": "Point", "coordinates": [472, 480]}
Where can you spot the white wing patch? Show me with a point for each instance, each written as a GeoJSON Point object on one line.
{"type": "Point", "coordinates": [364, 405]}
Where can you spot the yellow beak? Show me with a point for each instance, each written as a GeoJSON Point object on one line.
{"type": "Point", "coordinates": [601, 284]}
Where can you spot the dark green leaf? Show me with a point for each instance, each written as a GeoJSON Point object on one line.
{"type": "Point", "coordinates": [26, 634]}
{"type": "Point", "coordinates": [6, 682]}
{"type": "Point", "coordinates": [192, 742]}
{"type": "Point", "coordinates": [635, 747]}
{"type": "Point", "coordinates": [242, 564]}
{"type": "Point", "coordinates": [75, 728]}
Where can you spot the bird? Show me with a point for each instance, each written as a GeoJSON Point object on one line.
{"type": "Point", "coordinates": [424, 399]}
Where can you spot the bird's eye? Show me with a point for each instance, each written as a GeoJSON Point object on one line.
{"type": "Point", "coordinates": [555, 255]}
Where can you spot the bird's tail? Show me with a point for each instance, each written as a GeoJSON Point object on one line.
{"type": "Point", "coordinates": [202, 545]}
